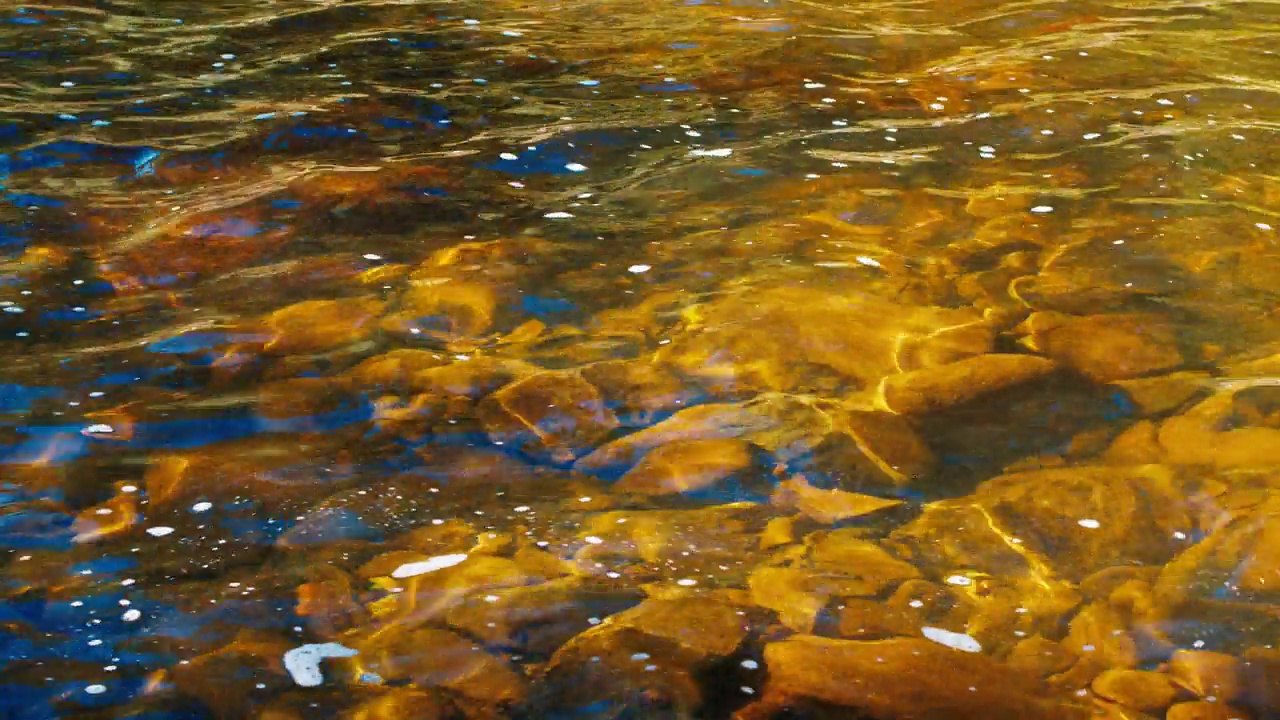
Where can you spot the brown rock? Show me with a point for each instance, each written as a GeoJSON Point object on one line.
{"type": "Point", "coordinates": [787, 338]}
{"type": "Point", "coordinates": [401, 703]}
{"type": "Point", "coordinates": [943, 386]}
{"type": "Point", "coordinates": [394, 369]}
{"type": "Point", "coordinates": [1209, 674]}
{"type": "Point", "coordinates": [844, 553]}
{"type": "Point", "coordinates": [1040, 656]}
{"type": "Point", "coordinates": [1105, 348]}
{"type": "Point", "coordinates": [1208, 434]}
{"type": "Point", "coordinates": [315, 326]}
{"type": "Point", "coordinates": [906, 678]}
{"type": "Point", "coordinates": [1201, 710]}
{"type": "Point", "coordinates": [1262, 676]}
{"type": "Point", "coordinates": [890, 448]}
{"type": "Point", "coordinates": [556, 414]}
{"type": "Point", "coordinates": [685, 466]}
{"type": "Point", "coordinates": [1139, 444]}
{"type": "Point", "coordinates": [1160, 394]}
{"type": "Point", "coordinates": [430, 658]}
{"type": "Point", "coordinates": [537, 618]}
{"type": "Point", "coordinates": [1068, 522]}
{"type": "Point", "coordinates": [706, 629]}
{"type": "Point", "coordinates": [871, 620]}
{"type": "Point", "coordinates": [1141, 690]}
{"type": "Point", "coordinates": [467, 308]}
{"type": "Point", "coordinates": [1096, 275]}
{"type": "Point", "coordinates": [828, 506]}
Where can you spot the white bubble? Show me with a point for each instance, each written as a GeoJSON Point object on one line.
{"type": "Point", "coordinates": [575, 167]}
{"type": "Point", "coordinates": [715, 152]}
{"type": "Point", "coordinates": [159, 531]}
{"type": "Point", "coordinates": [593, 540]}
{"type": "Point", "coordinates": [1089, 523]}
{"type": "Point", "coordinates": [1041, 209]}
{"type": "Point", "coordinates": [959, 580]}
{"type": "Point", "coordinates": [131, 615]}
{"type": "Point", "coordinates": [96, 689]}
{"type": "Point", "coordinates": [558, 215]}
{"type": "Point", "coordinates": [202, 506]}
{"type": "Point", "coordinates": [637, 269]}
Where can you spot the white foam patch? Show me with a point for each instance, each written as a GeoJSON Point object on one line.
{"type": "Point", "coordinates": [430, 565]}
{"type": "Point", "coordinates": [303, 663]}
{"type": "Point", "coordinates": [953, 640]}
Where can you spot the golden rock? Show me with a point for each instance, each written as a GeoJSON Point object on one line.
{"type": "Point", "coordinates": [1040, 656]}
{"type": "Point", "coordinates": [1209, 674]}
{"type": "Point", "coordinates": [1209, 433]}
{"type": "Point", "coordinates": [431, 657]}
{"type": "Point", "coordinates": [314, 326]}
{"type": "Point", "coordinates": [556, 414]}
{"type": "Point", "coordinates": [464, 308]}
{"type": "Point", "coordinates": [943, 386]}
{"type": "Point", "coordinates": [1097, 275]}
{"type": "Point", "coordinates": [472, 378]}
{"type": "Point", "coordinates": [827, 506]}
{"type": "Point", "coordinates": [1162, 393]}
{"type": "Point", "coordinates": [1139, 444]}
{"type": "Point", "coordinates": [786, 338]}
{"type": "Point", "coordinates": [395, 369]}
{"type": "Point", "coordinates": [858, 619]}
{"type": "Point", "coordinates": [867, 678]}
{"type": "Point", "coordinates": [1138, 689]}
{"type": "Point", "coordinates": [1202, 710]}
{"type": "Point", "coordinates": [1105, 348]}
{"type": "Point", "coordinates": [1060, 522]}
{"type": "Point", "coordinates": [639, 388]}
{"type": "Point", "coordinates": [538, 618]}
{"type": "Point", "coordinates": [401, 703]}
{"type": "Point", "coordinates": [685, 466]}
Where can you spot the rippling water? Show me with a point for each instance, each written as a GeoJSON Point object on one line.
{"type": "Point", "coordinates": [650, 359]}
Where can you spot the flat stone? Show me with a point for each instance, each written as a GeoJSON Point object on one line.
{"type": "Point", "coordinates": [1210, 434]}
{"type": "Point", "coordinates": [828, 506]}
{"type": "Point", "coordinates": [858, 619]}
{"type": "Point", "coordinates": [1105, 348]}
{"type": "Point", "coordinates": [431, 657]}
{"type": "Point", "coordinates": [787, 338]}
{"type": "Point", "coordinates": [555, 414]}
{"type": "Point", "coordinates": [906, 678]}
{"type": "Point", "coordinates": [314, 326]}
{"type": "Point", "coordinates": [1201, 710]}
{"type": "Point", "coordinates": [1138, 689]}
{"type": "Point", "coordinates": [943, 386]}
{"type": "Point", "coordinates": [1209, 674]}
{"type": "Point", "coordinates": [686, 465]}
{"type": "Point", "coordinates": [1162, 393]}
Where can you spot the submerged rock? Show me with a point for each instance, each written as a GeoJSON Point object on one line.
{"type": "Point", "coordinates": [1105, 348]}
{"type": "Point", "coordinates": [314, 326]}
{"type": "Point", "coordinates": [943, 386]}
{"type": "Point", "coordinates": [794, 339]}
{"type": "Point", "coordinates": [552, 414]}
{"type": "Point", "coordinates": [685, 466]}
{"type": "Point", "coordinates": [902, 678]}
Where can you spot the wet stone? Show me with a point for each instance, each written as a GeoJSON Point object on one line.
{"type": "Point", "coordinates": [1065, 522]}
{"type": "Point", "coordinates": [866, 677]}
{"type": "Point", "coordinates": [943, 386]}
{"type": "Point", "coordinates": [557, 415]}
{"type": "Point", "coordinates": [1105, 348]}
{"type": "Point", "coordinates": [686, 466]}
{"type": "Point", "coordinates": [1097, 275]}
{"type": "Point", "coordinates": [1209, 674]}
{"type": "Point", "coordinates": [1138, 689]}
{"type": "Point", "coordinates": [537, 619]}
{"type": "Point", "coordinates": [1202, 710]}
{"type": "Point", "coordinates": [431, 658]}
{"type": "Point", "coordinates": [315, 326]}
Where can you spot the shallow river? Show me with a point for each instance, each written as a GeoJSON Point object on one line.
{"type": "Point", "coordinates": [906, 359]}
